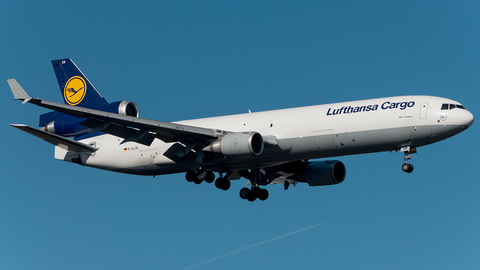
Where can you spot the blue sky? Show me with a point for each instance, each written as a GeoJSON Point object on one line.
{"type": "Point", "coordinates": [195, 59]}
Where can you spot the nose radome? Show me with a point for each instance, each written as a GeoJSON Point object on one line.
{"type": "Point", "coordinates": [469, 118]}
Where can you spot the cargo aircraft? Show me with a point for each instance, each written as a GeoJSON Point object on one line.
{"type": "Point", "coordinates": [271, 147]}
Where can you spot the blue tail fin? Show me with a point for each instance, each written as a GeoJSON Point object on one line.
{"type": "Point", "coordinates": [75, 87]}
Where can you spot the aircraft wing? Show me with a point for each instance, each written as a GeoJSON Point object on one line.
{"type": "Point", "coordinates": [62, 142]}
{"type": "Point", "coordinates": [129, 127]}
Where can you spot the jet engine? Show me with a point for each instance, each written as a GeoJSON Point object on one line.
{"type": "Point", "coordinates": [122, 107]}
{"type": "Point", "coordinates": [238, 144]}
{"type": "Point", "coordinates": [322, 173]}
{"type": "Point", "coordinates": [70, 126]}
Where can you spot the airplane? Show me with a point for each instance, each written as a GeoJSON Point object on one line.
{"type": "Point", "coordinates": [270, 147]}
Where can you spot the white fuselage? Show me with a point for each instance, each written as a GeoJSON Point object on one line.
{"type": "Point", "coordinates": [321, 131]}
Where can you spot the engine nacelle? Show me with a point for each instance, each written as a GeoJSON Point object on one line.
{"type": "Point", "coordinates": [70, 126]}
{"type": "Point", "coordinates": [67, 126]}
{"type": "Point", "coordinates": [322, 173]}
{"type": "Point", "coordinates": [238, 144]}
{"type": "Point", "coordinates": [122, 107]}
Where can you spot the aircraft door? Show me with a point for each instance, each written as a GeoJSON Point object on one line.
{"type": "Point", "coordinates": [424, 110]}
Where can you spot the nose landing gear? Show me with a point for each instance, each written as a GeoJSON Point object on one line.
{"type": "Point", "coordinates": [407, 167]}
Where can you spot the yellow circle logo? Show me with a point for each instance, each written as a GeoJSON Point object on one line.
{"type": "Point", "coordinates": [74, 90]}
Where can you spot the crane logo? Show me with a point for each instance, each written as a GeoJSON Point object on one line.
{"type": "Point", "coordinates": [75, 90]}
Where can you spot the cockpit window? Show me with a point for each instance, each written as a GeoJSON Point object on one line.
{"type": "Point", "coordinates": [446, 106]}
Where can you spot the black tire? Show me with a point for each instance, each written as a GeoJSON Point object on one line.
{"type": "Point", "coordinates": [226, 184]}
{"type": "Point", "coordinates": [251, 196]}
{"type": "Point", "coordinates": [263, 194]}
{"type": "Point", "coordinates": [410, 169]}
{"type": "Point", "coordinates": [405, 167]}
{"type": "Point", "coordinates": [210, 177]}
{"type": "Point", "coordinates": [218, 183]}
{"type": "Point", "coordinates": [197, 181]}
{"type": "Point", "coordinates": [201, 175]}
{"type": "Point", "coordinates": [222, 183]}
{"type": "Point", "coordinates": [244, 193]}
{"type": "Point", "coordinates": [190, 176]}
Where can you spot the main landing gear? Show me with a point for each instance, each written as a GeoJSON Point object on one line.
{"type": "Point", "coordinates": [200, 176]}
{"type": "Point", "coordinates": [223, 183]}
{"type": "Point", "coordinates": [255, 192]}
{"type": "Point", "coordinates": [209, 177]}
{"type": "Point", "coordinates": [407, 167]}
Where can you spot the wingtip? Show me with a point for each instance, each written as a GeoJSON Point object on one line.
{"type": "Point", "coordinates": [19, 126]}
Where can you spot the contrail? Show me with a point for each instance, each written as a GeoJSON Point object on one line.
{"type": "Point", "coordinates": [251, 246]}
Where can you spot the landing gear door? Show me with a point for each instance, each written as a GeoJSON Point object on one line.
{"type": "Point", "coordinates": [424, 110]}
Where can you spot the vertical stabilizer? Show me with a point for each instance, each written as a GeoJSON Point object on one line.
{"type": "Point", "coordinates": [76, 89]}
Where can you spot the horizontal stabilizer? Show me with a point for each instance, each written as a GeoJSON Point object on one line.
{"type": "Point", "coordinates": [64, 143]}
{"type": "Point", "coordinates": [18, 91]}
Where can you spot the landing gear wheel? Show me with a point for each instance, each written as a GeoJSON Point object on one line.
{"type": "Point", "coordinates": [218, 183]}
{"type": "Point", "coordinates": [263, 195]}
{"type": "Point", "coordinates": [244, 192]}
{"type": "Point", "coordinates": [210, 177]}
{"type": "Point", "coordinates": [222, 183]}
{"type": "Point", "coordinates": [226, 184]}
{"type": "Point", "coordinates": [256, 191]}
{"type": "Point", "coordinates": [197, 181]}
{"type": "Point", "coordinates": [201, 175]}
{"type": "Point", "coordinates": [407, 167]}
{"type": "Point", "coordinates": [190, 176]}
{"type": "Point", "coordinates": [251, 196]}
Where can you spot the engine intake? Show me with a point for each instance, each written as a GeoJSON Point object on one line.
{"type": "Point", "coordinates": [238, 144]}
{"type": "Point", "coordinates": [128, 108]}
{"type": "Point", "coordinates": [323, 173]}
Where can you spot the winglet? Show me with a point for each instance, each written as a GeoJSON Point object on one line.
{"type": "Point", "coordinates": [18, 91]}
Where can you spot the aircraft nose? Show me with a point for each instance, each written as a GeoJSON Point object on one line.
{"type": "Point", "coordinates": [469, 118]}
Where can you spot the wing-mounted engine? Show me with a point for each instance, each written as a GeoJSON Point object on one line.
{"type": "Point", "coordinates": [322, 173]}
{"type": "Point", "coordinates": [70, 126]}
{"type": "Point", "coordinates": [238, 144]}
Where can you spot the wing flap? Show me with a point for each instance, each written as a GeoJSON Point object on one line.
{"type": "Point", "coordinates": [62, 142]}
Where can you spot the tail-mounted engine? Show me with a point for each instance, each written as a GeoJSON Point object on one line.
{"type": "Point", "coordinates": [70, 126]}
{"type": "Point", "coordinates": [322, 173]}
{"type": "Point", "coordinates": [125, 108]}
{"type": "Point", "coordinates": [238, 144]}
